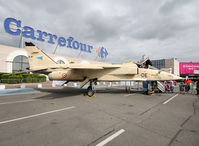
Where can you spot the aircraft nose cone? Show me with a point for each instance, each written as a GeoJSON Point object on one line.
{"type": "Point", "coordinates": [177, 78]}
{"type": "Point", "coordinates": [50, 76]}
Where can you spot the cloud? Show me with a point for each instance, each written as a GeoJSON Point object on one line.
{"type": "Point", "coordinates": [128, 29]}
{"type": "Point", "coordinates": [171, 5]}
{"type": "Point", "coordinates": [102, 28]}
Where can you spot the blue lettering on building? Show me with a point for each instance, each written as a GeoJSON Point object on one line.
{"type": "Point", "coordinates": [7, 23]}
{"type": "Point", "coordinates": [29, 32]}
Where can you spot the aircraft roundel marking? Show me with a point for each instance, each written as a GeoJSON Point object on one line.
{"type": "Point", "coordinates": [64, 75]}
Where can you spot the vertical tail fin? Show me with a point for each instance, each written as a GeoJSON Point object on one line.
{"type": "Point", "coordinates": [37, 58]}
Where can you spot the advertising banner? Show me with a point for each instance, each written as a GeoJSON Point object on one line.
{"type": "Point", "coordinates": [189, 68]}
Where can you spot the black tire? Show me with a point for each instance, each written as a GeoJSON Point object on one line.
{"type": "Point", "coordinates": [90, 91]}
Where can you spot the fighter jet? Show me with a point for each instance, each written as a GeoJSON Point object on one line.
{"type": "Point", "coordinates": [91, 73]}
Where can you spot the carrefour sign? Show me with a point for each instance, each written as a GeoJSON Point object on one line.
{"type": "Point", "coordinates": [29, 32]}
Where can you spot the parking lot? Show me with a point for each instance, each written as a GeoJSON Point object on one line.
{"type": "Point", "coordinates": [64, 117]}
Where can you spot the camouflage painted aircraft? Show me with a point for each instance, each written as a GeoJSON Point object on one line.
{"type": "Point", "coordinates": [91, 73]}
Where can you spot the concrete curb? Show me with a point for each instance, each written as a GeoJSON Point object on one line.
{"type": "Point", "coordinates": [33, 85]}
{"type": "Point", "coordinates": [48, 84]}
{"type": "Point", "coordinates": [24, 86]}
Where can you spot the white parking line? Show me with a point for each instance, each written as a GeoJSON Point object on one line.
{"type": "Point", "coordinates": [128, 94]}
{"type": "Point", "coordinates": [21, 101]}
{"type": "Point", "coordinates": [36, 115]}
{"type": "Point", "coordinates": [170, 99]}
{"type": "Point", "coordinates": [111, 138]}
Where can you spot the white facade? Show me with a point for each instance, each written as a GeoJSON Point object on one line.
{"type": "Point", "coordinates": [174, 64]}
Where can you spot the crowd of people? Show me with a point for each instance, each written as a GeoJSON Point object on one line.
{"type": "Point", "coordinates": [169, 86]}
{"type": "Point", "coordinates": [184, 86]}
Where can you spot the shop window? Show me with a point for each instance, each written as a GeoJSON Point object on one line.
{"type": "Point", "coordinates": [20, 63]}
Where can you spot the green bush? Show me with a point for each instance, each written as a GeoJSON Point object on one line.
{"type": "Point", "coordinates": [27, 78]}
{"type": "Point", "coordinates": [1, 74]}
{"type": "Point", "coordinates": [21, 78]}
{"type": "Point", "coordinates": [15, 79]}
{"type": "Point", "coordinates": [5, 78]}
{"type": "Point", "coordinates": [41, 78]}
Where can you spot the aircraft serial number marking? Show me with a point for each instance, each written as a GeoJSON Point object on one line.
{"type": "Point", "coordinates": [144, 75]}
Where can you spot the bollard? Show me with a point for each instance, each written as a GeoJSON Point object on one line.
{"type": "Point", "coordinates": [39, 86]}
{"type": "Point", "coordinates": [2, 87]}
{"type": "Point", "coordinates": [23, 86]}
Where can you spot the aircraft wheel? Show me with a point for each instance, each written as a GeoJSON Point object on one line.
{"type": "Point", "coordinates": [90, 91]}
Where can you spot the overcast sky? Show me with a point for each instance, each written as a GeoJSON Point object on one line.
{"type": "Point", "coordinates": [126, 28]}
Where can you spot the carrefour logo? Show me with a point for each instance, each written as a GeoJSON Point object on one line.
{"type": "Point", "coordinates": [29, 32]}
{"type": "Point", "coordinates": [102, 52]}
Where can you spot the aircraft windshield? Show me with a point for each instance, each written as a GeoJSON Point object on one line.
{"type": "Point", "coordinates": [152, 67]}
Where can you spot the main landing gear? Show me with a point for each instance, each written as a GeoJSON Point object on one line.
{"type": "Point", "coordinates": [90, 90]}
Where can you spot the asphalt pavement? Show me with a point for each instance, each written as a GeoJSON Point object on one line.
{"type": "Point", "coordinates": [64, 117]}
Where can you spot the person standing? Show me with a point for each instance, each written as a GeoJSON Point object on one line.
{"type": "Point", "coordinates": [188, 82]}
{"type": "Point", "coordinates": [172, 86]}
{"type": "Point", "coordinates": [166, 87]}
{"type": "Point", "coordinates": [197, 87]}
